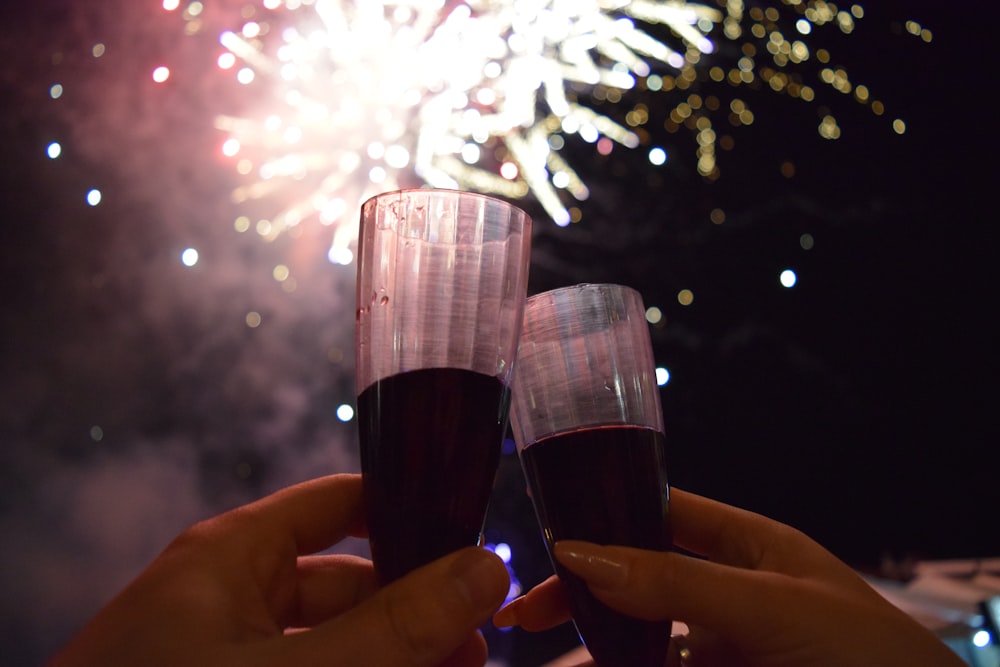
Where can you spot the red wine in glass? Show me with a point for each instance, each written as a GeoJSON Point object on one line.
{"type": "Point", "coordinates": [606, 485]}
{"type": "Point", "coordinates": [430, 448]}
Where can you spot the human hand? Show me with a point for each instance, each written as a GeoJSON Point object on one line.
{"type": "Point", "coordinates": [766, 595]}
{"type": "Point", "coordinates": [239, 589]}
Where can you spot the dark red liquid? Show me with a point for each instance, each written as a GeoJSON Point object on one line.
{"type": "Point", "coordinates": [430, 447]}
{"type": "Point", "coordinates": [605, 485]}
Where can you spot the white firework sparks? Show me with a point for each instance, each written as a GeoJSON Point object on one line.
{"type": "Point", "coordinates": [365, 97]}
{"type": "Point", "coordinates": [356, 98]}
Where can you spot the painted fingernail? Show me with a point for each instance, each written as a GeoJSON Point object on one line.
{"type": "Point", "coordinates": [477, 575]}
{"type": "Point", "coordinates": [593, 563]}
{"type": "Point", "coordinates": [508, 617]}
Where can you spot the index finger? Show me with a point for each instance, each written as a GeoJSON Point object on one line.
{"type": "Point", "coordinates": [544, 606]}
{"type": "Point", "coordinates": [318, 513]}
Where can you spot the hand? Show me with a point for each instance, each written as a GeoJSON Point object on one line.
{"type": "Point", "coordinates": [238, 590]}
{"type": "Point", "coordinates": [765, 596]}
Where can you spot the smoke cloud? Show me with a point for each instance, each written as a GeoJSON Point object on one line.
{"type": "Point", "coordinates": [141, 394]}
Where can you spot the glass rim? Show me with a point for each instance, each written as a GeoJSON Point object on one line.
{"type": "Point", "coordinates": [582, 287]}
{"type": "Point", "coordinates": [449, 191]}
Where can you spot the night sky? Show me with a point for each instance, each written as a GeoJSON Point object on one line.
{"type": "Point", "coordinates": [140, 395]}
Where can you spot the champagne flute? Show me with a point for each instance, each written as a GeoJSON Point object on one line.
{"type": "Point", "coordinates": [589, 432]}
{"type": "Point", "coordinates": [442, 281]}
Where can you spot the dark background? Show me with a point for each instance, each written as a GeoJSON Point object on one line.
{"type": "Point", "coordinates": [858, 405]}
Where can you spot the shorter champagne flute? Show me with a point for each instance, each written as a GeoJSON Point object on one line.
{"type": "Point", "coordinates": [589, 431]}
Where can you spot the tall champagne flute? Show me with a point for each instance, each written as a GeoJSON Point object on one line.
{"type": "Point", "coordinates": [589, 431]}
{"type": "Point", "coordinates": [442, 281]}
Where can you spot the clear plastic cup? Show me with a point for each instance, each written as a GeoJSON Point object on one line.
{"type": "Point", "coordinates": [442, 281]}
{"type": "Point", "coordinates": [589, 431]}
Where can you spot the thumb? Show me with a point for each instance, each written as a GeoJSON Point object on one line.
{"type": "Point", "coordinates": [419, 620]}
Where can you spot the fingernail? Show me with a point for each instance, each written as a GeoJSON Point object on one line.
{"type": "Point", "coordinates": [594, 563]}
{"type": "Point", "coordinates": [507, 617]}
{"type": "Point", "coordinates": [477, 576]}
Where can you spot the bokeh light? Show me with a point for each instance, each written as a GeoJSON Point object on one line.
{"type": "Point", "coordinates": [657, 156]}
{"type": "Point", "coordinates": [161, 74]}
{"type": "Point", "coordinates": [502, 549]}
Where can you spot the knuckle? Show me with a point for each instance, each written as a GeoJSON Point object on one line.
{"type": "Point", "coordinates": [405, 625]}
{"type": "Point", "coordinates": [193, 537]}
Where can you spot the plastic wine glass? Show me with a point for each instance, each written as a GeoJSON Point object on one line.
{"type": "Point", "coordinates": [441, 287]}
{"type": "Point", "coordinates": [589, 430]}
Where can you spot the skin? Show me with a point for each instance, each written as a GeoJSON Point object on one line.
{"type": "Point", "coordinates": [242, 589]}
{"type": "Point", "coordinates": [761, 594]}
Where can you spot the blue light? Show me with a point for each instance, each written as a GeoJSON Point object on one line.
{"type": "Point", "coordinates": [503, 550]}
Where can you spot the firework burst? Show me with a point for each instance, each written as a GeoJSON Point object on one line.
{"type": "Point", "coordinates": [352, 99]}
